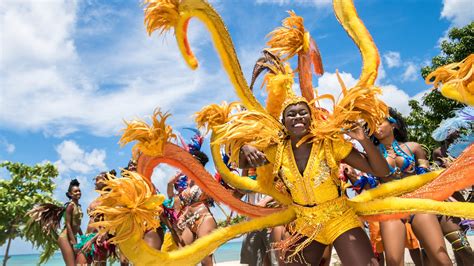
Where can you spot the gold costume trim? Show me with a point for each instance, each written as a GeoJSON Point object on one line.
{"type": "Point", "coordinates": [323, 223]}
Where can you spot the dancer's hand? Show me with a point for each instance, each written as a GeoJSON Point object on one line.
{"type": "Point", "coordinates": [101, 239]}
{"type": "Point", "coordinates": [87, 246]}
{"type": "Point", "coordinates": [357, 133]}
{"type": "Point", "coordinates": [253, 156]}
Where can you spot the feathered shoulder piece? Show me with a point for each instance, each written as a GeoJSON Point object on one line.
{"type": "Point", "coordinates": [249, 127]}
{"type": "Point", "coordinates": [356, 104]}
{"type": "Point", "coordinates": [150, 138]}
{"type": "Point", "coordinates": [463, 118]}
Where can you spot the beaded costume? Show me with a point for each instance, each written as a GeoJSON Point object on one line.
{"type": "Point", "coordinates": [314, 202]}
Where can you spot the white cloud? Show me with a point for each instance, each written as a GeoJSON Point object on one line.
{"type": "Point", "coordinates": [7, 146]}
{"type": "Point", "coordinates": [392, 59]}
{"type": "Point", "coordinates": [411, 72]}
{"type": "Point", "coordinates": [329, 84]}
{"type": "Point", "coordinates": [395, 97]}
{"type": "Point", "coordinates": [161, 175]}
{"type": "Point", "coordinates": [67, 91]}
{"type": "Point", "coordinates": [317, 3]}
{"type": "Point", "coordinates": [420, 95]}
{"type": "Point", "coordinates": [459, 12]}
{"type": "Point", "coordinates": [382, 74]}
{"type": "Point", "coordinates": [37, 31]}
{"type": "Point", "coordinates": [73, 158]}
{"type": "Point", "coordinates": [391, 94]}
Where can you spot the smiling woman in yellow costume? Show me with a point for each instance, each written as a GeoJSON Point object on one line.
{"type": "Point", "coordinates": [313, 203]}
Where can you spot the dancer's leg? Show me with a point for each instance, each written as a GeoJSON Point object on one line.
{"type": "Point", "coordinates": [393, 238]}
{"type": "Point", "coordinates": [67, 251]}
{"type": "Point", "coordinates": [207, 225]}
{"type": "Point", "coordinates": [428, 231]}
{"type": "Point", "coordinates": [353, 248]}
{"type": "Point", "coordinates": [453, 233]}
{"type": "Point", "coordinates": [312, 254]}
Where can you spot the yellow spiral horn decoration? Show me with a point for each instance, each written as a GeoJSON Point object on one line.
{"type": "Point", "coordinates": [347, 16]}
{"type": "Point", "coordinates": [166, 14]}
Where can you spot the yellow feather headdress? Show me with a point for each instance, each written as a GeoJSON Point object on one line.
{"type": "Point", "coordinates": [125, 203]}
{"type": "Point", "coordinates": [291, 38]}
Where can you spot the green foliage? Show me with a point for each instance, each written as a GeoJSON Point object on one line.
{"type": "Point", "coordinates": [48, 242]}
{"type": "Point", "coordinates": [233, 220]}
{"type": "Point", "coordinates": [27, 186]}
{"type": "Point", "coordinates": [425, 118]}
{"type": "Point", "coordinates": [459, 45]}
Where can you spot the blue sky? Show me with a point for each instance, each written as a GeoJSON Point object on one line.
{"type": "Point", "coordinates": [71, 71]}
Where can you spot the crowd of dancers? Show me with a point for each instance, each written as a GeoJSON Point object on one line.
{"type": "Point", "coordinates": [307, 179]}
{"type": "Point", "coordinates": [188, 214]}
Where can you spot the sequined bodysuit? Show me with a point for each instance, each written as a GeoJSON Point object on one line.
{"type": "Point", "coordinates": [322, 213]}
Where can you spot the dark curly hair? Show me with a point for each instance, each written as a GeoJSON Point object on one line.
{"type": "Point", "coordinates": [200, 156]}
{"type": "Point", "coordinates": [104, 174]}
{"type": "Point", "coordinates": [73, 183]}
{"type": "Point", "coordinates": [400, 130]}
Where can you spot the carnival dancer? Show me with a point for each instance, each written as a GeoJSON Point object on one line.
{"type": "Point", "coordinates": [93, 246]}
{"type": "Point", "coordinates": [407, 158]}
{"type": "Point", "coordinates": [455, 134]}
{"type": "Point", "coordinates": [72, 226]}
{"type": "Point", "coordinates": [195, 219]}
{"type": "Point", "coordinates": [309, 141]}
{"type": "Point", "coordinates": [44, 222]}
{"type": "Point", "coordinates": [305, 173]}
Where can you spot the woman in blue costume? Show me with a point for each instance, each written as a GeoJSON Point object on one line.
{"type": "Point", "coordinates": [405, 159]}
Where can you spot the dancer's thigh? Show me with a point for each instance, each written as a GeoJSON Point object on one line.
{"type": "Point", "coordinates": [353, 248]}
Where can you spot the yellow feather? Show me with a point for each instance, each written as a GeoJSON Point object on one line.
{"type": "Point", "coordinates": [457, 80]}
{"type": "Point", "coordinates": [150, 138]}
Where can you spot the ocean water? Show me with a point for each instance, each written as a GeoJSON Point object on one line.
{"type": "Point", "coordinates": [227, 252]}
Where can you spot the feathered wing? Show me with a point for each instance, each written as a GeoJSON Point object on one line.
{"type": "Point", "coordinates": [458, 176]}
{"type": "Point", "coordinates": [149, 138]}
{"type": "Point", "coordinates": [42, 228]}
{"type": "Point", "coordinates": [153, 142]}
{"type": "Point", "coordinates": [395, 208]}
{"type": "Point", "coordinates": [128, 205]}
{"type": "Point", "coordinates": [179, 158]}
{"type": "Point", "coordinates": [361, 101]}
